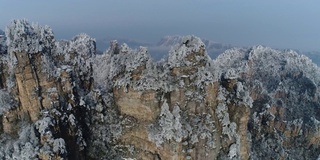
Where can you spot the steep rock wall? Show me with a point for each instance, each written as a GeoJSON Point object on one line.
{"type": "Point", "coordinates": [239, 106]}
{"type": "Point", "coordinates": [61, 101]}
{"type": "Point", "coordinates": [47, 92]}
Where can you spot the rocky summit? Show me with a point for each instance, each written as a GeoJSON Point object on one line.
{"type": "Point", "coordinates": [59, 100]}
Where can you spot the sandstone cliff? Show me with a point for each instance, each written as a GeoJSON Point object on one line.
{"type": "Point", "coordinates": [58, 100]}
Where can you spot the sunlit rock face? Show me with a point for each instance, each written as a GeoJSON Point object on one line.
{"type": "Point", "coordinates": [59, 100]}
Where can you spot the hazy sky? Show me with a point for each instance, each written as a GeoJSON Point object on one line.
{"type": "Point", "coordinates": [276, 23]}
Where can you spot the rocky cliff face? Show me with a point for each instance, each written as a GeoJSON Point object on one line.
{"type": "Point", "coordinates": [213, 48]}
{"type": "Point", "coordinates": [58, 100]}
{"type": "Point", "coordinates": [45, 117]}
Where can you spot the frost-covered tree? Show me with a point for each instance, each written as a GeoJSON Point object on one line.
{"type": "Point", "coordinates": [178, 56]}
{"type": "Point", "coordinates": [6, 101]}
{"type": "Point", "coordinates": [31, 38]}
{"type": "Point", "coordinates": [165, 129]}
{"type": "Point", "coordinates": [59, 146]}
{"type": "Point", "coordinates": [25, 147]}
{"type": "Point", "coordinates": [3, 45]}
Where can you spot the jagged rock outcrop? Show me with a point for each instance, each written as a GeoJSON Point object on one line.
{"type": "Point", "coordinates": [246, 104]}
{"type": "Point", "coordinates": [180, 115]}
{"type": "Point", "coordinates": [284, 89]}
{"type": "Point", "coordinates": [58, 100]}
{"type": "Point", "coordinates": [213, 48]}
{"type": "Point", "coordinates": [47, 91]}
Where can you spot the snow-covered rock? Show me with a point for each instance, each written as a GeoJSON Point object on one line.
{"type": "Point", "coordinates": [59, 100]}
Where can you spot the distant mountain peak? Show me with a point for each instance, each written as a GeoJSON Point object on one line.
{"type": "Point", "coordinates": [169, 40]}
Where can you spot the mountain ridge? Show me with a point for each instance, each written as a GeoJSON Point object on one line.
{"type": "Point", "coordinates": [59, 99]}
{"type": "Point", "coordinates": [161, 48]}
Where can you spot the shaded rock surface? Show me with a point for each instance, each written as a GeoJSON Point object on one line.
{"type": "Point", "coordinates": [59, 100]}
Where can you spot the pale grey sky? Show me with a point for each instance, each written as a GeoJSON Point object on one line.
{"type": "Point", "coordinates": [280, 24]}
